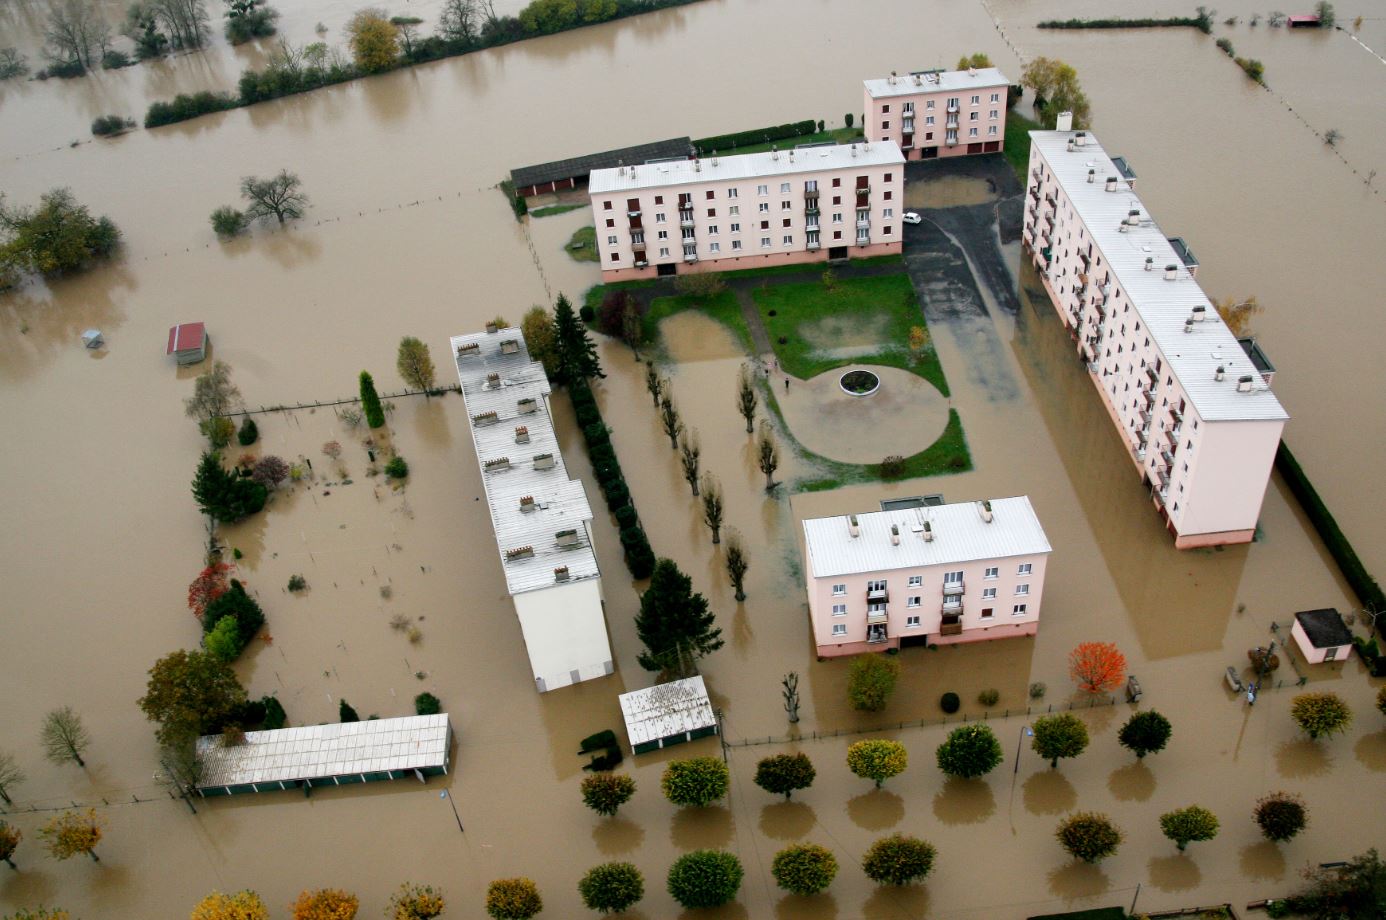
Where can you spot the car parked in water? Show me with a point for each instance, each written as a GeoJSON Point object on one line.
{"type": "Point", "coordinates": [912, 217]}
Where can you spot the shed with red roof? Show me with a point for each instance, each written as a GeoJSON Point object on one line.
{"type": "Point", "coordinates": [188, 342]}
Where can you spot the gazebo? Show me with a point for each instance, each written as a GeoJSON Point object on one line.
{"type": "Point", "coordinates": [187, 342]}
{"type": "Point", "coordinates": [671, 713]}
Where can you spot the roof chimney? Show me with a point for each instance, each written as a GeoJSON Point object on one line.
{"type": "Point", "coordinates": [1092, 176]}
{"type": "Point", "coordinates": [1220, 373]}
{"type": "Point", "coordinates": [852, 527]}
{"type": "Point", "coordinates": [1244, 384]}
{"type": "Point", "coordinates": [984, 509]}
{"type": "Point", "coordinates": [1111, 183]}
{"type": "Point", "coordinates": [1064, 122]}
{"type": "Point", "coordinates": [894, 535]}
{"type": "Point", "coordinates": [928, 532]}
{"type": "Point", "coordinates": [1133, 217]}
{"type": "Point", "coordinates": [1150, 263]}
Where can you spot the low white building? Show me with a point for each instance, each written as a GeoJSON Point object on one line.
{"type": "Point", "coordinates": [666, 714]}
{"type": "Point", "coordinates": [541, 518]}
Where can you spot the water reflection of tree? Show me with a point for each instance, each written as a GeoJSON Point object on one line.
{"type": "Point", "coordinates": [964, 801]}
{"type": "Point", "coordinates": [1264, 860]}
{"type": "Point", "coordinates": [614, 836]}
{"type": "Point", "coordinates": [876, 810]}
{"type": "Point", "coordinates": [1302, 759]}
{"type": "Point", "coordinates": [821, 906]}
{"type": "Point", "coordinates": [1133, 782]}
{"type": "Point", "coordinates": [787, 820]}
{"type": "Point", "coordinates": [39, 319]}
{"type": "Point", "coordinates": [1078, 880]}
{"type": "Point", "coordinates": [1049, 793]}
{"type": "Point", "coordinates": [702, 828]}
{"type": "Point", "coordinates": [889, 902]}
{"type": "Point", "coordinates": [1174, 873]}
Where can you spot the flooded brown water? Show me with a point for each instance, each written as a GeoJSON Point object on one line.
{"type": "Point", "coordinates": [407, 237]}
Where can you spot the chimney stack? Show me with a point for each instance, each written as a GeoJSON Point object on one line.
{"type": "Point", "coordinates": [1064, 122]}
{"type": "Point", "coordinates": [852, 527]}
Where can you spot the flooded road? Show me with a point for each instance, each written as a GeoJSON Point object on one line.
{"type": "Point", "coordinates": [407, 237]}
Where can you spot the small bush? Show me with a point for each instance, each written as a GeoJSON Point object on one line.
{"type": "Point", "coordinates": [218, 431]}
{"type": "Point", "coordinates": [587, 416]}
{"type": "Point", "coordinates": [696, 782]}
{"type": "Point", "coordinates": [1226, 46]}
{"type": "Point", "coordinates": [1281, 816]}
{"type": "Point", "coordinates": [114, 60]}
{"type": "Point", "coordinates": [893, 467]}
{"type": "Point", "coordinates": [106, 125]}
{"type": "Point", "coordinates": [1253, 68]}
{"type": "Point", "coordinates": [612, 887]}
{"type": "Point", "coordinates": [275, 717]}
{"type": "Point", "coordinates": [239, 607]}
{"type": "Point", "coordinates": [228, 222]}
{"type": "Point", "coordinates": [804, 868]}
{"type": "Point", "coordinates": [604, 793]}
{"type": "Point", "coordinates": [705, 878]}
{"type": "Point", "coordinates": [249, 432]}
{"type": "Point", "coordinates": [297, 583]}
{"type": "Point", "coordinates": [604, 456]}
{"type": "Point", "coordinates": [988, 697]}
{"type": "Point", "coordinates": [397, 468]}
{"type": "Point", "coordinates": [65, 70]}
{"type": "Point", "coordinates": [184, 107]}
{"type": "Point", "coordinates": [1037, 690]}
{"type": "Point", "coordinates": [587, 313]}
{"type": "Point", "coordinates": [426, 704]}
{"type": "Point", "coordinates": [616, 495]}
{"type": "Point", "coordinates": [871, 681]}
{"type": "Point", "coordinates": [950, 702]}
{"type": "Point", "coordinates": [1089, 836]}
{"type": "Point", "coordinates": [513, 899]}
{"type": "Point", "coordinates": [595, 434]}
{"type": "Point", "coordinates": [640, 559]}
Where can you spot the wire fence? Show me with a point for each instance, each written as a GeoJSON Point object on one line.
{"type": "Point", "coordinates": [286, 407]}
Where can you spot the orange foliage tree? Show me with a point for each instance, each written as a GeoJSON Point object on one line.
{"type": "Point", "coordinates": [210, 584]}
{"type": "Point", "coordinates": [1097, 666]}
{"type": "Point", "coordinates": [243, 905]}
{"type": "Point", "coordinates": [325, 904]}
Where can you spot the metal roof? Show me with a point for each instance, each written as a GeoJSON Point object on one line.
{"type": "Point", "coordinates": [560, 504]}
{"type": "Point", "coordinates": [575, 167]}
{"type": "Point", "coordinates": [1162, 305]}
{"type": "Point", "coordinates": [747, 166]}
{"type": "Point", "coordinates": [186, 337]}
{"type": "Point", "coordinates": [666, 710]}
{"type": "Point", "coordinates": [316, 751]}
{"type": "Point", "coordinates": [948, 81]}
{"type": "Point", "coordinates": [960, 534]}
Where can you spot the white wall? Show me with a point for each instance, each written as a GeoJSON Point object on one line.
{"type": "Point", "coordinates": [1228, 477]}
{"type": "Point", "coordinates": [565, 631]}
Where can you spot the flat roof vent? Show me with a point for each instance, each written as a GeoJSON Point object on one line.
{"type": "Point", "coordinates": [567, 538]}
{"type": "Point", "coordinates": [1200, 314]}
{"type": "Point", "coordinates": [528, 406]}
{"type": "Point", "coordinates": [1092, 176]}
{"type": "Point", "coordinates": [1244, 383]}
{"type": "Point", "coordinates": [894, 535]}
{"type": "Point", "coordinates": [928, 532]}
{"type": "Point", "coordinates": [1220, 373]}
{"type": "Point", "coordinates": [1111, 183]}
{"type": "Point", "coordinates": [1171, 272]}
{"type": "Point", "coordinates": [984, 509]}
{"type": "Point", "coordinates": [509, 347]}
{"type": "Point", "coordinates": [1133, 217]}
{"type": "Point", "coordinates": [543, 462]}
{"type": "Point", "coordinates": [853, 527]}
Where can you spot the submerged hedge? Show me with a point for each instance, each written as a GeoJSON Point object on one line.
{"type": "Point", "coordinates": [640, 558]}
{"type": "Point", "coordinates": [1202, 23]}
{"type": "Point", "coordinates": [1356, 574]}
{"type": "Point", "coordinates": [723, 142]}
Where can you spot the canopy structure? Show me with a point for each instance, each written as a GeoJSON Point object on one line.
{"type": "Point", "coordinates": [671, 713]}
{"type": "Point", "coordinates": [92, 338]}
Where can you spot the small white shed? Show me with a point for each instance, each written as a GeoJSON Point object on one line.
{"type": "Point", "coordinates": [671, 713]}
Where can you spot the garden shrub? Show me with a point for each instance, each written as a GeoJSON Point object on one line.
{"type": "Point", "coordinates": [397, 468]}
{"type": "Point", "coordinates": [893, 467]}
{"type": "Point", "coordinates": [988, 697]}
{"type": "Point", "coordinates": [596, 434]}
{"type": "Point", "coordinates": [587, 415]}
{"type": "Point", "coordinates": [705, 878]}
{"type": "Point", "coordinates": [249, 432]}
{"type": "Point", "coordinates": [587, 313]}
{"type": "Point", "coordinates": [603, 455]}
{"type": "Point", "coordinates": [725, 142]}
{"type": "Point", "coordinates": [950, 703]}
{"type": "Point", "coordinates": [184, 107]}
{"type": "Point", "coordinates": [426, 704]}
{"type": "Point", "coordinates": [617, 494]}
{"type": "Point", "coordinates": [241, 608]}
{"type": "Point", "coordinates": [640, 558]}
{"type": "Point", "coordinates": [275, 716]}
{"type": "Point", "coordinates": [626, 517]}
{"type": "Point", "coordinates": [106, 125]}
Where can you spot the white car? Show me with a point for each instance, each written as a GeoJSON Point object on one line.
{"type": "Point", "coordinates": [912, 217]}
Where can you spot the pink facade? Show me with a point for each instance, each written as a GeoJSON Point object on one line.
{"type": "Point", "coordinates": [1322, 636]}
{"type": "Point", "coordinates": [938, 113]}
{"type": "Point", "coordinates": [727, 213]}
{"type": "Point", "coordinates": [941, 575]}
{"type": "Point", "coordinates": [1199, 420]}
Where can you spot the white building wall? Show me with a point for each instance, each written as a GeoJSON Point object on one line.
{"type": "Point", "coordinates": [565, 633]}
{"type": "Point", "coordinates": [1227, 479]}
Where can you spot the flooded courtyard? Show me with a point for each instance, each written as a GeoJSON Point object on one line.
{"type": "Point", "coordinates": [406, 236]}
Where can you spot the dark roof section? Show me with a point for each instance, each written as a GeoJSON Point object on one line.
{"type": "Point", "coordinates": [1257, 356]}
{"type": "Point", "coordinates": [1182, 250]}
{"type": "Point", "coordinates": [1325, 628]}
{"type": "Point", "coordinates": [1123, 167]}
{"type": "Point", "coordinates": [674, 148]}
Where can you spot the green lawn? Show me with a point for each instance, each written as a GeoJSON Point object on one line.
{"type": "Point", "coordinates": [721, 307]}
{"type": "Point", "coordinates": [587, 251]}
{"type": "Point", "coordinates": [1017, 146]}
{"type": "Point", "coordinates": [553, 209]}
{"type": "Point", "coordinates": [873, 314]}
{"type": "Point", "coordinates": [837, 135]}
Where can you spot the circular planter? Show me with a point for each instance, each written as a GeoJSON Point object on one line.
{"type": "Point", "coordinates": [859, 383]}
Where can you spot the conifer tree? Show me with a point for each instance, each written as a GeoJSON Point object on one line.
{"type": "Point", "coordinates": [577, 355]}
{"type": "Point", "coordinates": [223, 496]}
{"type": "Point", "coordinates": [370, 402]}
{"type": "Point", "coordinates": [674, 623]}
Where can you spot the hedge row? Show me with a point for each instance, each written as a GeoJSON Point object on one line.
{"type": "Point", "coordinates": [1202, 23]}
{"type": "Point", "coordinates": [1356, 574]}
{"type": "Point", "coordinates": [640, 558]}
{"type": "Point", "coordinates": [758, 136]}
{"type": "Point", "coordinates": [184, 107]}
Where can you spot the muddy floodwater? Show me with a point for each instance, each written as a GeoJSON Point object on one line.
{"type": "Point", "coordinates": [407, 236]}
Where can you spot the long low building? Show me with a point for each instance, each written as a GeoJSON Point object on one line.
{"type": "Point", "coordinates": [540, 517]}
{"type": "Point", "coordinates": [337, 754]}
{"type": "Point", "coordinates": [723, 213]}
{"type": "Point", "coordinates": [940, 574]}
{"type": "Point", "coordinates": [668, 714]}
{"type": "Point", "coordinates": [1194, 409]}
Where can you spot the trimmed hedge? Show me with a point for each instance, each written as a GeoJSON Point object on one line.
{"type": "Point", "coordinates": [1354, 572]}
{"type": "Point", "coordinates": [640, 558]}
{"type": "Point", "coordinates": [724, 142]}
{"type": "Point", "coordinates": [596, 433]}
{"type": "Point", "coordinates": [184, 107]}
{"type": "Point", "coordinates": [617, 494]}
{"type": "Point", "coordinates": [626, 517]}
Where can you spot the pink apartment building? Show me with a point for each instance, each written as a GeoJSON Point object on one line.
{"type": "Point", "coordinates": [946, 574]}
{"type": "Point", "coordinates": [1198, 417]}
{"type": "Point", "coordinates": [938, 113]}
{"type": "Point", "coordinates": [808, 204]}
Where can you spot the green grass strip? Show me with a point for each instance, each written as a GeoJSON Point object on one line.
{"type": "Point", "coordinates": [553, 209]}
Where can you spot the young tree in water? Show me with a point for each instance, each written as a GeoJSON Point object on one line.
{"type": "Point", "coordinates": [615, 886]}
{"type": "Point", "coordinates": [72, 833]}
{"type": "Point", "coordinates": [190, 694]}
{"type": "Point", "coordinates": [669, 420]}
{"type": "Point", "coordinates": [325, 904]}
{"type": "Point", "coordinates": [690, 458]}
{"type": "Point", "coordinates": [223, 496]}
{"type": "Point", "coordinates": [746, 397]}
{"type": "Point", "coordinates": [75, 33]}
{"type": "Point", "coordinates": [185, 20]}
{"type": "Point", "coordinates": [9, 841]}
{"type": "Point", "coordinates": [784, 774]}
{"type": "Point", "coordinates": [513, 899]}
{"type": "Point", "coordinates": [1281, 816]}
{"type": "Point", "coordinates": [373, 40]}
{"type": "Point", "coordinates": [1320, 714]}
{"type": "Point", "coordinates": [408, 29]}
{"type": "Point", "coordinates": [1056, 89]}
{"type": "Point", "coordinates": [459, 21]}
{"type": "Point", "coordinates": [871, 680]}
{"type": "Point", "coordinates": [804, 868]}
{"type": "Point", "coordinates": [633, 326]}
{"type": "Point", "coordinates": [877, 759]}
{"type": "Point", "coordinates": [767, 454]}
{"type": "Point", "coordinates": [738, 561]}
{"type": "Point", "coordinates": [1238, 315]}
{"type": "Point", "coordinates": [10, 775]}
{"type": "Point", "coordinates": [64, 736]}
{"type": "Point", "coordinates": [674, 623]}
{"type": "Point", "coordinates": [540, 340]}
{"type": "Point", "coordinates": [1061, 735]}
{"type": "Point", "coordinates": [415, 364]}
{"type": "Point", "coordinates": [705, 878]}
{"type": "Point", "coordinates": [695, 782]}
{"type": "Point", "coordinates": [654, 384]}
{"type": "Point", "coordinates": [604, 793]}
{"type": "Point", "coordinates": [1097, 667]}
{"type": "Point", "coordinates": [1144, 733]}
{"type": "Point", "coordinates": [279, 196]}
{"type": "Point", "coordinates": [247, 19]}
{"type": "Point", "coordinates": [415, 902]}
{"type": "Point", "coordinates": [969, 751]}
{"type": "Point", "coordinates": [370, 401]}
{"type": "Point", "coordinates": [243, 905]}
{"type": "Point", "coordinates": [711, 500]}
{"type": "Point", "coordinates": [1089, 836]}
{"type": "Point", "coordinates": [898, 860]}
{"type": "Point", "coordinates": [1187, 825]}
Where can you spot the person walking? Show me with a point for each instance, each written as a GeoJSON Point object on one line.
{"type": "Point", "coordinates": [786, 384]}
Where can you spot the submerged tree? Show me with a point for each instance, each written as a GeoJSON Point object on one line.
{"type": "Point", "coordinates": [72, 833]}
{"type": "Point", "coordinates": [210, 584]}
{"type": "Point", "coordinates": [705, 878]}
{"type": "Point", "coordinates": [871, 681]}
{"type": "Point", "coordinates": [541, 340]}
{"type": "Point", "coordinates": [58, 236]}
{"type": "Point", "coordinates": [373, 40]}
{"type": "Point", "coordinates": [674, 623]}
{"type": "Point", "coordinates": [669, 420]}
{"type": "Point", "coordinates": [1238, 314]}
{"type": "Point", "coordinates": [214, 394]}
{"type": "Point", "coordinates": [746, 397]}
{"type": "Point", "coordinates": [969, 751]}
{"type": "Point", "coordinates": [612, 887]}
{"type": "Point", "coordinates": [415, 902]}
{"type": "Point", "coordinates": [75, 33]}
{"type": "Point", "coordinates": [190, 694]}
{"type": "Point", "coordinates": [711, 500]}
{"type": "Point", "coordinates": [1145, 733]}
{"type": "Point", "coordinates": [415, 364]}
{"type": "Point", "coordinates": [654, 384]}
{"type": "Point", "coordinates": [767, 454]}
{"type": "Point", "coordinates": [370, 401]}
{"type": "Point", "coordinates": [325, 904]}
{"type": "Point", "coordinates": [804, 868]}
{"type": "Point", "coordinates": [1062, 735]}
{"type": "Point", "coordinates": [977, 61]}
{"type": "Point", "coordinates": [578, 359]}
{"type": "Point", "coordinates": [459, 21]}
{"type": "Point", "coordinates": [9, 842]}
{"type": "Point", "coordinates": [604, 793]}
{"type": "Point", "coordinates": [690, 458]}
{"type": "Point", "coordinates": [1344, 892]}
{"type": "Point", "coordinates": [64, 736]}
{"type": "Point", "coordinates": [898, 860]}
{"type": "Point", "coordinates": [513, 899]}
{"type": "Point", "coordinates": [784, 774]}
{"type": "Point", "coordinates": [279, 196]}
{"type": "Point", "coordinates": [877, 759]}
{"type": "Point", "coordinates": [695, 782]}
{"type": "Point", "coordinates": [223, 496]}
{"type": "Point", "coordinates": [1281, 816]}
{"type": "Point", "coordinates": [738, 561]}
{"type": "Point", "coordinates": [243, 905]}
{"type": "Point", "coordinates": [10, 775]}
{"type": "Point", "coordinates": [1056, 89]}
{"type": "Point", "coordinates": [1320, 714]}
{"type": "Point", "coordinates": [247, 19]}
{"type": "Point", "coordinates": [1089, 836]}
{"type": "Point", "coordinates": [1187, 825]}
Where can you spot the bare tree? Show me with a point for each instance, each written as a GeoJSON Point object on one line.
{"type": "Point", "coordinates": [746, 397]}
{"type": "Point", "coordinates": [64, 737]}
{"type": "Point", "coordinates": [654, 383]}
{"type": "Point", "coordinates": [279, 196]}
{"type": "Point", "coordinates": [488, 9]}
{"type": "Point", "coordinates": [408, 28]}
{"type": "Point", "coordinates": [669, 420]}
{"type": "Point", "coordinates": [712, 506]}
{"type": "Point", "coordinates": [75, 33]}
{"type": "Point", "coordinates": [459, 20]}
{"type": "Point", "coordinates": [185, 20]}
{"type": "Point", "coordinates": [10, 775]}
{"type": "Point", "coordinates": [738, 561]}
{"type": "Point", "coordinates": [767, 454]}
{"type": "Point", "coordinates": [690, 456]}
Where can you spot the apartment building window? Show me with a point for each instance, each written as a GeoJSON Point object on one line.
{"type": "Point", "coordinates": [733, 211]}
{"type": "Point", "coordinates": [812, 237]}
{"type": "Point", "coordinates": [811, 187]}
{"type": "Point", "coordinates": [765, 207]}
{"type": "Point", "coordinates": [928, 103]}
{"type": "Point", "coordinates": [886, 108]}
{"type": "Point", "coordinates": [688, 235]}
{"type": "Point", "coordinates": [735, 228]}
{"type": "Point", "coordinates": [786, 222]}
{"type": "Point", "coordinates": [928, 135]}
{"type": "Point", "coordinates": [789, 239]}
{"type": "Point", "coordinates": [712, 229]}
{"type": "Point", "coordinates": [784, 188]}
{"type": "Point", "coordinates": [885, 126]}
{"type": "Point", "coordinates": [1018, 610]}
{"type": "Point", "coordinates": [736, 244]}
{"type": "Point", "coordinates": [837, 217]}
{"type": "Point", "coordinates": [660, 218]}
{"type": "Point", "coordinates": [837, 234]}
{"type": "Point", "coordinates": [837, 183]}
{"type": "Point", "coordinates": [988, 613]}
{"type": "Point", "coordinates": [995, 97]}
{"type": "Point", "coordinates": [994, 115]}
{"type": "Point", "coordinates": [714, 247]}
{"type": "Point", "coordinates": [864, 235]}
{"type": "Point", "coordinates": [988, 594]}
{"type": "Point", "coordinates": [971, 132]}
{"type": "Point", "coordinates": [912, 601]}
{"type": "Point", "coordinates": [992, 571]}
{"type": "Point", "coordinates": [615, 257]}
{"type": "Point", "coordinates": [659, 199]}
{"type": "Point", "coordinates": [839, 629]}
{"type": "Point", "coordinates": [991, 131]}
{"type": "Point", "coordinates": [909, 108]}
{"type": "Point", "coordinates": [1022, 590]}
{"type": "Point", "coordinates": [972, 116]}
{"type": "Point", "coordinates": [731, 193]}
{"type": "Point", "coordinates": [887, 196]}
{"type": "Point", "coordinates": [765, 225]}
{"type": "Point", "coordinates": [952, 578]}
{"type": "Point", "coordinates": [976, 100]}
{"type": "Point", "coordinates": [711, 194]}
{"type": "Point", "coordinates": [663, 252]}
{"type": "Point", "coordinates": [690, 249]}
{"type": "Point", "coordinates": [786, 205]}
{"type": "Point", "coordinates": [610, 223]}
{"type": "Point", "coordinates": [916, 581]}
{"type": "Point", "coordinates": [765, 242]}
{"type": "Point", "coordinates": [1025, 568]}
{"type": "Point", "coordinates": [711, 212]}
{"type": "Point", "coordinates": [912, 622]}
{"type": "Point", "coordinates": [886, 230]}
{"type": "Point", "coordinates": [888, 212]}
{"type": "Point", "coordinates": [928, 120]}
{"type": "Point", "coordinates": [611, 241]}
{"type": "Point", "coordinates": [663, 234]}
{"type": "Point", "coordinates": [637, 236]}
{"type": "Point", "coordinates": [839, 590]}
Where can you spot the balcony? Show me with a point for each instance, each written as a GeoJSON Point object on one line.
{"type": "Point", "coordinates": [812, 226]}
{"type": "Point", "coordinates": [685, 218]}
{"type": "Point", "coordinates": [690, 256]}
{"type": "Point", "coordinates": [876, 634]}
{"type": "Point", "coordinates": [863, 190]}
{"type": "Point", "coordinates": [952, 107]}
{"type": "Point", "coordinates": [634, 212]}
{"type": "Point", "coordinates": [877, 613]}
{"type": "Point", "coordinates": [1168, 457]}
{"type": "Point", "coordinates": [1176, 431]}
{"type": "Point", "coordinates": [1034, 193]}
{"type": "Point", "coordinates": [1049, 200]}
{"type": "Point", "coordinates": [811, 207]}
{"type": "Point", "coordinates": [1154, 377]}
{"type": "Point", "coordinates": [951, 121]}
{"type": "Point", "coordinates": [953, 589]}
{"type": "Point", "coordinates": [952, 141]}
{"type": "Point", "coordinates": [880, 595]}
{"type": "Point", "coordinates": [813, 244]}
{"type": "Point", "coordinates": [951, 626]}
{"type": "Point", "coordinates": [863, 224]}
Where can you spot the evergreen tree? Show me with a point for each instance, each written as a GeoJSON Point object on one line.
{"type": "Point", "coordinates": [370, 402]}
{"type": "Point", "coordinates": [577, 355]}
{"type": "Point", "coordinates": [674, 623]}
{"type": "Point", "coordinates": [223, 496]}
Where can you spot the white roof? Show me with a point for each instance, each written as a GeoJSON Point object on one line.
{"type": "Point", "coordinates": [959, 535]}
{"type": "Point", "coordinates": [560, 504]}
{"type": "Point", "coordinates": [1163, 305]}
{"type": "Point", "coordinates": [745, 166]}
{"type": "Point", "coordinates": [316, 751]}
{"type": "Point", "coordinates": [947, 81]}
{"type": "Point", "coordinates": [666, 710]}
